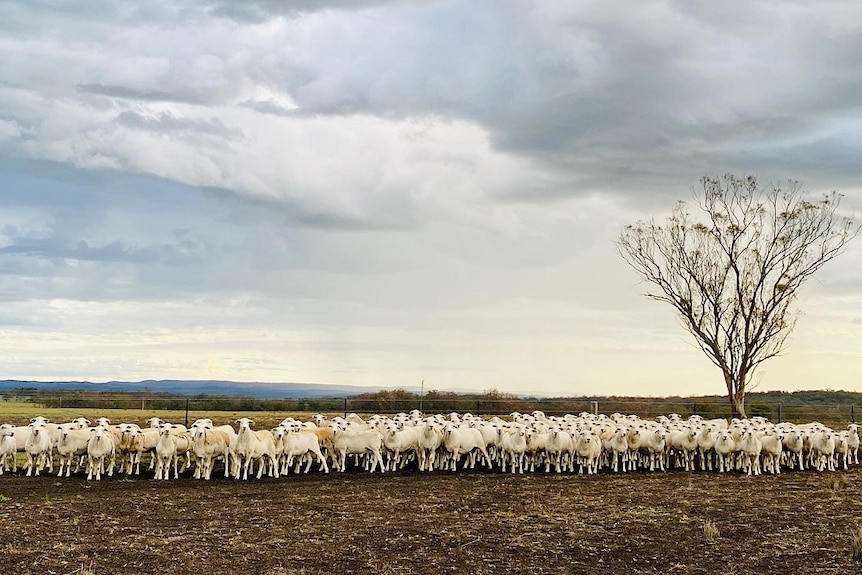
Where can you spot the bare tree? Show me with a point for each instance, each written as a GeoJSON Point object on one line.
{"type": "Point", "coordinates": [734, 275]}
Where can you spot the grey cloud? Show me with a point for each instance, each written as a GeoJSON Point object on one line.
{"type": "Point", "coordinates": [259, 10]}
{"type": "Point", "coordinates": [166, 122]}
{"type": "Point", "coordinates": [607, 94]}
{"type": "Point", "coordinates": [269, 108]}
{"type": "Point", "coordinates": [247, 211]}
{"type": "Point", "coordinates": [124, 92]}
{"type": "Point", "coordinates": [117, 251]}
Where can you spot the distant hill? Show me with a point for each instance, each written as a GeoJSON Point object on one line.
{"type": "Point", "coordinates": [203, 387]}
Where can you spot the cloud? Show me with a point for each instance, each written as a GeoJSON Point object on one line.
{"type": "Point", "coordinates": [167, 122]}
{"type": "Point", "coordinates": [140, 94]}
{"type": "Point", "coordinates": [398, 186]}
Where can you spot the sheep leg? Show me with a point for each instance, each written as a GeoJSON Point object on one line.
{"type": "Point", "coordinates": [322, 460]}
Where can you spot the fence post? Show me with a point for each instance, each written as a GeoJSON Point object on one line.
{"type": "Point", "coordinates": [852, 413]}
{"type": "Point", "coordinates": [345, 407]}
{"type": "Point", "coordinates": [694, 409]}
{"type": "Point", "coordinates": [779, 413]}
{"type": "Point", "coordinates": [477, 408]}
{"type": "Point", "coordinates": [595, 408]}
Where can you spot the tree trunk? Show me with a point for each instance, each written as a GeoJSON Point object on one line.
{"type": "Point", "coordinates": [735, 396]}
{"type": "Point", "coordinates": [738, 405]}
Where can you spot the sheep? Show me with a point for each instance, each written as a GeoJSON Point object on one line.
{"type": "Point", "coordinates": [652, 449]}
{"type": "Point", "coordinates": [618, 447]}
{"type": "Point", "coordinates": [99, 447]}
{"type": "Point", "coordinates": [683, 443]}
{"type": "Point", "coordinates": [72, 443]}
{"type": "Point", "coordinates": [299, 443]}
{"type": "Point", "coordinates": [430, 439]}
{"type": "Point", "coordinates": [155, 423]}
{"type": "Point", "coordinates": [750, 447]}
{"type": "Point", "coordinates": [792, 445]}
{"type": "Point", "coordinates": [842, 449]}
{"type": "Point", "coordinates": [537, 445]}
{"type": "Point", "coordinates": [325, 437]}
{"type": "Point", "coordinates": [125, 446]}
{"type": "Point", "coordinates": [254, 445]}
{"type": "Point", "coordinates": [559, 448]}
{"type": "Point", "coordinates": [490, 431]}
{"type": "Point", "coordinates": [7, 449]}
{"type": "Point", "coordinates": [358, 441]}
{"type": "Point", "coordinates": [19, 433]}
{"type": "Point", "coordinates": [705, 442]}
{"type": "Point", "coordinates": [207, 444]}
{"type": "Point", "coordinates": [771, 450]}
{"type": "Point", "coordinates": [588, 448]}
{"type": "Point", "coordinates": [853, 442]}
{"type": "Point", "coordinates": [725, 447]}
{"type": "Point", "coordinates": [142, 441]}
{"type": "Point", "coordinates": [166, 453]}
{"type": "Point", "coordinates": [513, 446]}
{"type": "Point", "coordinates": [38, 448]}
{"type": "Point", "coordinates": [633, 438]}
{"type": "Point", "coordinates": [823, 450]}
{"type": "Point", "coordinates": [460, 440]}
{"type": "Point", "coordinates": [398, 442]}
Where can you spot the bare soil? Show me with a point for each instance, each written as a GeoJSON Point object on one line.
{"type": "Point", "coordinates": [407, 522]}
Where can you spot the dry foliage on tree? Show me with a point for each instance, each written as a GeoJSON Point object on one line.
{"type": "Point", "coordinates": [732, 269]}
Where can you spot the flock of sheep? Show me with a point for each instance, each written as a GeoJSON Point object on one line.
{"type": "Point", "coordinates": [583, 443]}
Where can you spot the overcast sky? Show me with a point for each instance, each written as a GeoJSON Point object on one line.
{"type": "Point", "coordinates": [380, 192]}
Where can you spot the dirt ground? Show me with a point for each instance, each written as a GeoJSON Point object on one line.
{"type": "Point", "coordinates": [407, 522]}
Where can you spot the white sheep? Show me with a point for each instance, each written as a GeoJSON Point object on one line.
{"type": "Point", "coordinates": [823, 450]}
{"type": "Point", "coordinates": [142, 441]}
{"type": "Point", "coordinates": [683, 443]}
{"type": "Point", "coordinates": [7, 449]}
{"type": "Point", "coordinates": [618, 449]}
{"type": "Point", "coordinates": [99, 448]}
{"type": "Point", "coordinates": [559, 448]}
{"type": "Point", "coordinates": [399, 444]}
{"type": "Point", "coordinates": [842, 449]}
{"type": "Point", "coordinates": [588, 448]}
{"type": "Point", "coordinates": [37, 445]}
{"type": "Point", "coordinates": [749, 446]}
{"type": "Point", "coordinates": [252, 446]}
{"type": "Point", "coordinates": [174, 441]}
{"type": "Point", "coordinates": [430, 439]}
{"type": "Point", "coordinates": [853, 442]}
{"type": "Point", "coordinates": [706, 436]}
{"type": "Point", "coordinates": [652, 449]}
{"type": "Point", "coordinates": [356, 441]}
{"type": "Point", "coordinates": [298, 443]}
{"type": "Point", "coordinates": [73, 443]}
{"type": "Point", "coordinates": [537, 444]}
{"type": "Point", "coordinates": [461, 440]}
{"type": "Point", "coordinates": [724, 447]}
{"type": "Point", "coordinates": [513, 447]}
{"type": "Point", "coordinates": [207, 445]}
{"type": "Point", "coordinates": [792, 444]}
{"type": "Point", "coordinates": [771, 449]}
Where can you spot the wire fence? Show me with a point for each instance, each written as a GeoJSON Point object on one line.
{"type": "Point", "coordinates": [646, 408]}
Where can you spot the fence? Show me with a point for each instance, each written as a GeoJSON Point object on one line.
{"type": "Point", "coordinates": [646, 408]}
